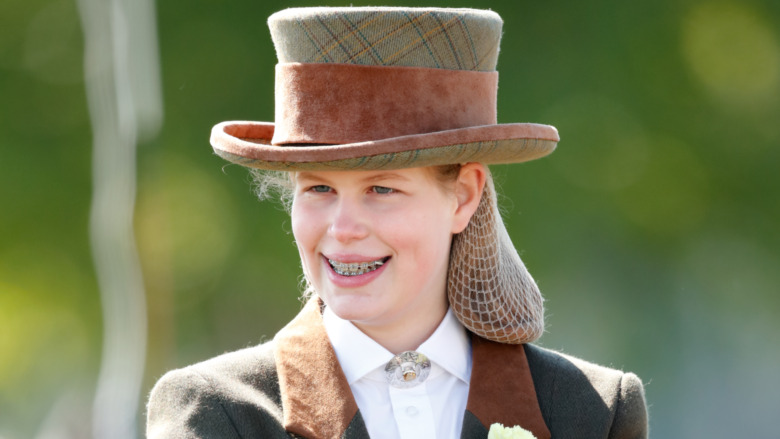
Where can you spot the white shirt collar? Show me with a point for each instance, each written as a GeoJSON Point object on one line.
{"type": "Point", "coordinates": [358, 354]}
{"type": "Point", "coordinates": [448, 348]}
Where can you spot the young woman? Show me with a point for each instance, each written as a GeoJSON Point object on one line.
{"type": "Point", "coordinates": [421, 313]}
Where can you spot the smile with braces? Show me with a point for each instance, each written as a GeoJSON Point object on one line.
{"type": "Point", "coordinates": [356, 268]}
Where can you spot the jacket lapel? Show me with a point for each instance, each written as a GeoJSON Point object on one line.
{"type": "Point", "coordinates": [317, 402]}
{"type": "Point", "coordinates": [501, 390]}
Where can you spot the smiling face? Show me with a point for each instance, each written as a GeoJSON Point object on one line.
{"type": "Point", "coordinates": [375, 245]}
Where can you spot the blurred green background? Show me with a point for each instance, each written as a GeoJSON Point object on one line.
{"type": "Point", "coordinates": [652, 230]}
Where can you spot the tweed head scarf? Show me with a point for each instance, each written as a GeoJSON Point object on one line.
{"type": "Point", "coordinates": [365, 88]}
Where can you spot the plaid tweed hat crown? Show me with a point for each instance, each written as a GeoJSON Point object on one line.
{"type": "Point", "coordinates": [383, 88]}
{"type": "Point", "coordinates": [387, 88]}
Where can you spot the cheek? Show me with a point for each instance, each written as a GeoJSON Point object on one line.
{"type": "Point", "coordinates": [427, 240]}
{"type": "Point", "coordinates": [295, 221]}
{"type": "Point", "coordinates": [306, 236]}
{"type": "Point", "coordinates": [304, 229]}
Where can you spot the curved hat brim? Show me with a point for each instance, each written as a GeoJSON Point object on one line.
{"type": "Point", "coordinates": [249, 144]}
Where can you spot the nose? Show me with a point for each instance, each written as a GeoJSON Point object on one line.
{"type": "Point", "coordinates": [348, 222]}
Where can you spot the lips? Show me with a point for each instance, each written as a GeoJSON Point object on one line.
{"type": "Point", "coordinates": [356, 268]}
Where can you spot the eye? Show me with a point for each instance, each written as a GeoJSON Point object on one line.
{"type": "Point", "coordinates": [382, 190]}
{"type": "Point", "coordinates": [320, 188]}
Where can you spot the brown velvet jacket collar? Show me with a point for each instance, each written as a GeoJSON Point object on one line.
{"type": "Point", "coordinates": [318, 403]}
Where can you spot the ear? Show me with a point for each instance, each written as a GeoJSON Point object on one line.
{"type": "Point", "coordinates": [468, 191]}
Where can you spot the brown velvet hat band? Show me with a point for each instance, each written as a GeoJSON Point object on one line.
{"type": "Point", "coordinates": [325, 103]}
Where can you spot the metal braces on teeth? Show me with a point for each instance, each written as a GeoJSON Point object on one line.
{"type": "Point", "coordinates": [355, 268]}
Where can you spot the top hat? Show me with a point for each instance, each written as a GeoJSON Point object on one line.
{"type": "Point", "coordinates": [361, 88]}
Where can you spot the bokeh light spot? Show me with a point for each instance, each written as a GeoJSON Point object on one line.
{"type": "Point", "coordinates": [36, 328]}
{"type": "Point", "coordinates": [185, 225]}
{"type": "Point", "coordinates": [733, 52]}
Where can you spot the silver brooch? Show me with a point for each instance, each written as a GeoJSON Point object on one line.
{"type": "Point", "coordinates": [407, 369]}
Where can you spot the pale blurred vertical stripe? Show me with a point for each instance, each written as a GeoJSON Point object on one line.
{"type": "Point", "coordinates": [123, 92]}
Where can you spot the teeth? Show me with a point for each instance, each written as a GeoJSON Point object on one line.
{"type": "Point", "coordinates": [355, 268]}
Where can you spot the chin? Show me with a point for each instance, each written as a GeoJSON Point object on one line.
{"type": "Point", "coordinates": [353, 307]}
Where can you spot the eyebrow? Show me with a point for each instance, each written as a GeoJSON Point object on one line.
{"type": "Point", "coordinates": [303, 175]}
{"type": "Point", "coordinates": [385, 176]}
{"type": "Point", "coordinates": [382, 176]}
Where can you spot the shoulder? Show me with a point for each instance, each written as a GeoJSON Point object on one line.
{"type": "Point", "coordinates": [253, 367]}
{"type": "Point", "coordinates": [217, 397]}
{"type": "Point", "coordinates": [578, 396]}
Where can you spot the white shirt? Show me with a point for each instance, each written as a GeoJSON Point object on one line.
{"type": "Point", "coordinates": [432, 409]}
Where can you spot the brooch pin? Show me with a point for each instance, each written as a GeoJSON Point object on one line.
{"type": "Point", "coordinates": [407, 369]}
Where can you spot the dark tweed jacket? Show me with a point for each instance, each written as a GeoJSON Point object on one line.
{"type": "Point", "coordinates": [293, 386]}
